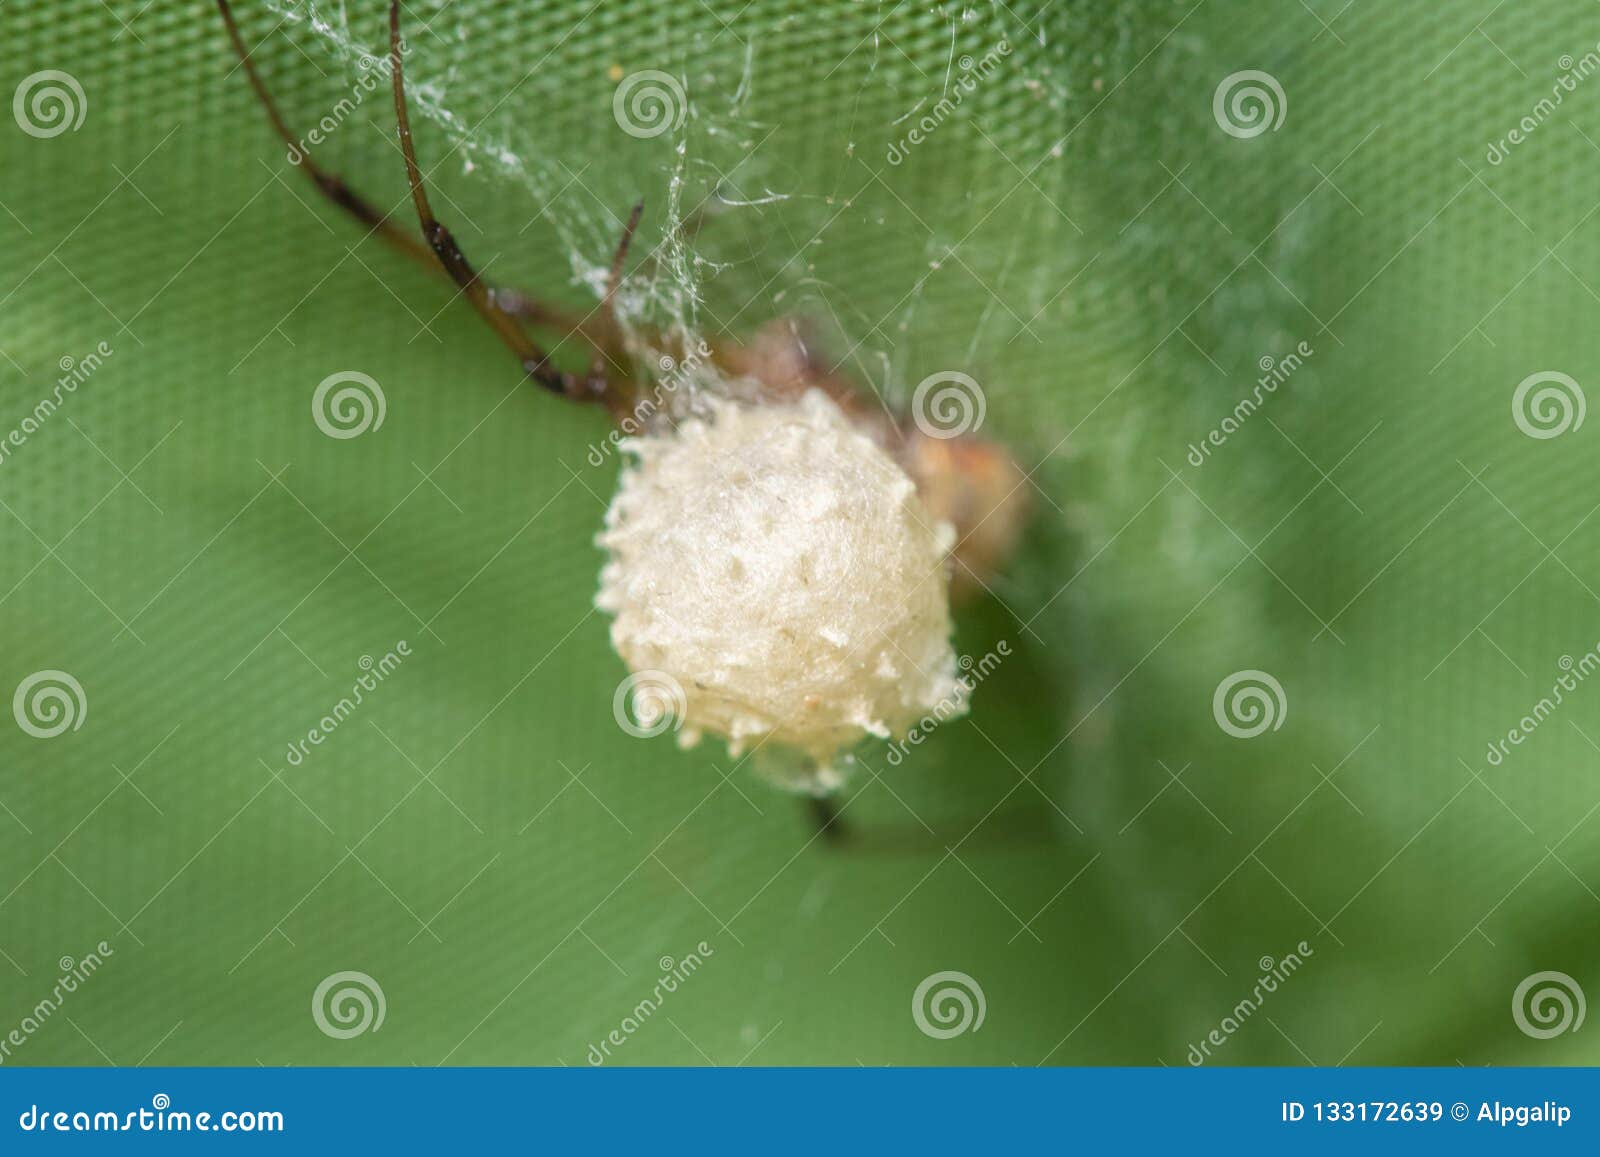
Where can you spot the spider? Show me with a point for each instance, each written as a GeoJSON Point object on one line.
{"type": "Point", "coordinates": [887, 508]}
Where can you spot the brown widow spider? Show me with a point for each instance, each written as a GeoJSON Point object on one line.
{"type": "Point", "coordinates": [969, 484]}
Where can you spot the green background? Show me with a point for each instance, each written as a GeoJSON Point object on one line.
{"type": "Point", "coordinates": [1084, 239]}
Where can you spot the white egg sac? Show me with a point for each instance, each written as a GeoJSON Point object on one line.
{"type": "Point", "coordinates": [777, 565]}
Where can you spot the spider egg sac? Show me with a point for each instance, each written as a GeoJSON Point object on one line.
{"type": "Point", "coordinates": [774, 574]}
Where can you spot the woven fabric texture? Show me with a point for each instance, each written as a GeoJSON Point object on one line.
{"type": "Point", "coordinates": [1060, 200]}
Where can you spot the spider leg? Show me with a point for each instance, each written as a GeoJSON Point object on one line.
{"type": "Point", "coordinates": [517, 304]}
{"type": "Point", "coordinates": [608, 305]}
{"type": "Point", "coordinates": [535, 362]}
{"type": "Point", "coordinates": [331, 186]}
{"type": "Point", "coordinates": [825, 815]}
{"type": "Point", "coordinates": [603, 336]}
{"type": "Point", "coordinates": [534, 311]}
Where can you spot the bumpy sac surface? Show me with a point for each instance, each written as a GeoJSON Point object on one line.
{"type": "Point", "coordinates": [779, 567]}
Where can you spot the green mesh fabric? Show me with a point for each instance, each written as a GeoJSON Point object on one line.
{"type": "Point", "coordinates": [1110, 866]}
